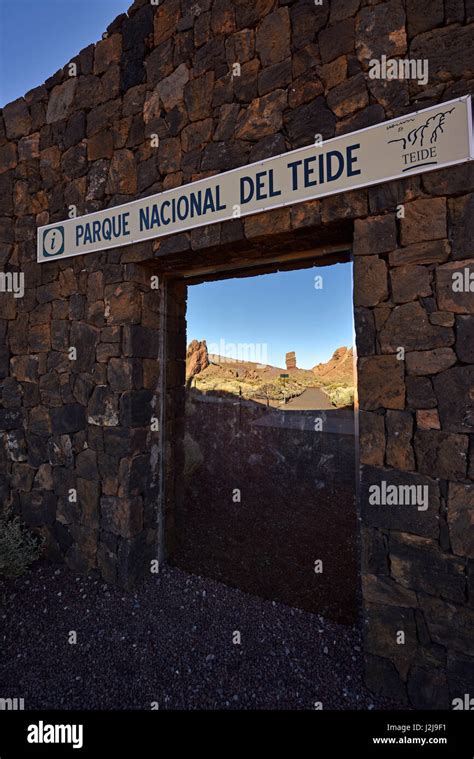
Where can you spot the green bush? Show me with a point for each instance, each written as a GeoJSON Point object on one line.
{"type": "Point", "coordinates": [18, 547]}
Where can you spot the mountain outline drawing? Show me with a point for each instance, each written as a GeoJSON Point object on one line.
{"type": "Point", "coordinates": [434, 124]}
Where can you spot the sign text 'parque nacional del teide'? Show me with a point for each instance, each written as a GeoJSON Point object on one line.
{"type": "Point", "coordinates": [423, 141]}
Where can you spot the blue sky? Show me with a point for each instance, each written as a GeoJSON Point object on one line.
{"type": "Point", "coordinates": [282, 310]}
{"type": "Point", "coordinates": [38, 37]}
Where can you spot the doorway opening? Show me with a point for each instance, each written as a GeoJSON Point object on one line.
{"type": "Point", "coordinates": [265, 497]}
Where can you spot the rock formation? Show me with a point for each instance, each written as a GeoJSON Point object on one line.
{"type": "Point", "coordinates": [339, 368]}
{"type": "Point", "coordinates": [197, 358]}
{"type": "Point", "coordinates": [290, 359]}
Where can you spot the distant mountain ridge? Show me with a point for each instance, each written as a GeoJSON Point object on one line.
{"type": "Point", "coordinates": [208, 372]}
{"type": "Point", "coordinates": [339, 368]}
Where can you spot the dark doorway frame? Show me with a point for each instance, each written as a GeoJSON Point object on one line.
{"type": "Point", "coordinates": [173, 287]}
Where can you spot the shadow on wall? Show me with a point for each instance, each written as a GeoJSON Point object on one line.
{"type": "Point", "coordinates": [268, 506]}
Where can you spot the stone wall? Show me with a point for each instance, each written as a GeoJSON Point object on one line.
{"type": "Point", "coordinates": [416, 424]}
{"type": "Point", "coordinates": [93, 424]}
{"type": "Point", "coordinates": [296, 502]}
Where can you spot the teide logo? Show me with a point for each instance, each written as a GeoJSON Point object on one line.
{"type": "Point", "coordinates": [42, 733]}
{"type": "Point", "coordinates": [419, 144]}
{"type": "Point", "coordinates": [463, 703]}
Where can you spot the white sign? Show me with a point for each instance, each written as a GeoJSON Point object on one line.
{"type": "Point", "coordinates": [423, 141]}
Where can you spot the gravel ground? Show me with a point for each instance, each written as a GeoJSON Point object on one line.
{"type": "Point", "coordinates": [170, 642]}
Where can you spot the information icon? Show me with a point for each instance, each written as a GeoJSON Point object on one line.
{"type": "Point", "coordinates": [53, 241]}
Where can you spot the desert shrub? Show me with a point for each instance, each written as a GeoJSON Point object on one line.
{"type": "Point", "coordinates": [270, 391]}
{"type": "Point", "coordinates": [18, 547]}
{"type": "Point", "coordinates": [341, 396]}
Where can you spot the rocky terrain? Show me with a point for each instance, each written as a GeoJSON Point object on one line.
{"type": "Point", "coordinates": [197, 359]}
{"type": "Point", "coordinates": [170, 642]}
{"type": "Point", "coordinates": [211, 373]}
{"type": "Point", "coordinates": [339, 368]}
